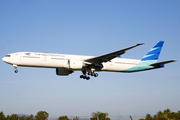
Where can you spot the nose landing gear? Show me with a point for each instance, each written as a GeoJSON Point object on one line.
{"type": "Point", "coordinates": [16, 71]}
{"type": "Point", "coordinates": [15, 66]}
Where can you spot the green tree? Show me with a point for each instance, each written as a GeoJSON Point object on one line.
{"type": "Point", "coordinates": [8, 117]}
{"type": "Point", "coordinates": [165, 115]}
{"type": "Point", "coordinates": [160, 115]}
{"type": "Point", "coordinates": [108, 118]}
{"type": "Point", "coordinates": [2, 116]}
{"type": "Point", "coordinates": [178, 115]}
{"type": "Point", "coordinates": [173, 115]}
{"type": "Point", "coordinates": [95, 115]}
{"type": "Point", "coordinates": [22, 117]}
{"type": "Point", "coordinates": [148, 117]}
{"type": "Point", "coordinates": [63, 118]}
{"type": "Point", "coordinates": [99, 116]}
{"type": "Point", "coordinates": [12, 117]}
{"type": "Point", "coordinates": [31, 117]}
{"type": "Point", "coordinates": [102, 116]}
{"type": "Point", "coordinates": [41, 115]}
{"type": "Point", "coordinates": [155, 117]}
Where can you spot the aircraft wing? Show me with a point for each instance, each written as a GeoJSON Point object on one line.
{"type": "Point", "coordinates": [162, 63]}
{"type": "Point", "coordinates": [109, 56]}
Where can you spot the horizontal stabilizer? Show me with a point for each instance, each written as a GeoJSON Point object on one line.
{"type": "Point", "coordinates": [162, 63]}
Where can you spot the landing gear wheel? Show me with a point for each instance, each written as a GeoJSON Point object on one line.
{"type": "Point", "coordinates": [95, 75]}
{"type": "Point", "coordinates": [84, 77]}
{"type": "Point", "coordinates": [92, 73]}
{"type": "Point", "coordinates": [87, 78]}
{"type": "Point", "coordinates": [85, 73]}
{"type": "Point", "coordinates": [89, 73]}
{"type": "Point", "coordinates": [81, 76]}
{"type": "Point", "coordinates": [16, 71]}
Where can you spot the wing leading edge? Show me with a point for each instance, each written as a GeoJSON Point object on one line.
{"type": "Point", "coordinates": [109, 56]}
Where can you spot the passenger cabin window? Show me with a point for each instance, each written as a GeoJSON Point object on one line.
{"type": "Point", "coordinates": [8, 55]}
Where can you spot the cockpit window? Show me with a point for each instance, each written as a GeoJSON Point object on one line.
{"type": "Point", "coordinates": [8, 55]}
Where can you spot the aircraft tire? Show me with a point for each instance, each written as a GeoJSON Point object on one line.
{"type": "Point", "coordinates": [87, 78]}
{"type": "Point", "coordinates": [81, 76]}
{"type": "Point", "coordinates": [84, 77]}
{"type": "Point", "coordinates": [95, 75]}
{"type": "Point", "coordinates": [89, 73]}
{"type": "Point", "coordinates": [16, 71]}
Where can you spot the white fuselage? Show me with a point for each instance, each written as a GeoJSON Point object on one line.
{"type": "Point", "coordinates": [66, 64]}
{"type": "Point", "coordinates": [73, 62]}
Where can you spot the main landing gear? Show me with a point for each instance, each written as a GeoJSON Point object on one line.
{"type": "Point", "coordinates": [84, 76]}
{"type": "Point", "coordinates": [15, 66]}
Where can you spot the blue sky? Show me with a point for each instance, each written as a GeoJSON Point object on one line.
{"type": "Point", "coordinates": [89, 28]}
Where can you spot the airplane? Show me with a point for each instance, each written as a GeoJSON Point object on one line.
{"type": "Point", "coordinates": [66, 64]}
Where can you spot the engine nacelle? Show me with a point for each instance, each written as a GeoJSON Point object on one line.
{"type": "Point", "coordinates": [63, 72]}
{"type": "Point", "coordinates": [75, 64]}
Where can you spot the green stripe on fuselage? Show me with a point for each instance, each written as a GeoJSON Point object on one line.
{"type": "Point", "coordinates": [139, 68]}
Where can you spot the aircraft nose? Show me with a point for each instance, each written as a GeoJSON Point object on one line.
{"type": "Point", "coordinates": [3, 59]}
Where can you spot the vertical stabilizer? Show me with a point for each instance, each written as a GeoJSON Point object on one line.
{"type": "Point", "coordinates": [153, 55]}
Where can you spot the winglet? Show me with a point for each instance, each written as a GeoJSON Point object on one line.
{"type": "Point", "coordinates": [140, 44]}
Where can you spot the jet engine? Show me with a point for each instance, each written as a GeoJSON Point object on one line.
{"type": "Point", "coordinates": [63, 72]}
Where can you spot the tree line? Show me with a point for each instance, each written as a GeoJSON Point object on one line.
{"type": "Point", "coordinates": [43, 115]}
{"type": "Point", "coordinates": [165, 115]}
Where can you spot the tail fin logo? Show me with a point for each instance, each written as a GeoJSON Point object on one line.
{"type": "Point", "coordinates": [154, 53]}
